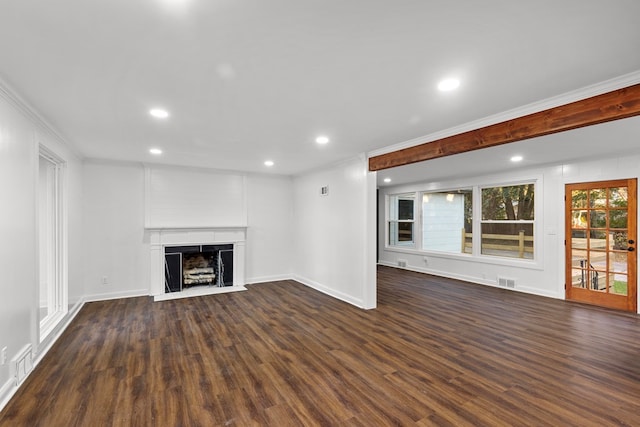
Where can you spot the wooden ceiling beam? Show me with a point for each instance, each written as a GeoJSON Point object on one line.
{"type": "Point", "coordinates": [615, 105]}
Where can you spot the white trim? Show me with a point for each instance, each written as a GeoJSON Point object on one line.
{"type": "Point", "coordinates": [7, 391]}
{"type": "Point", "coordinates": [535, 107]}
{"type": "Point", "coordinates": [469, 279]}
{"type": "Point", "coordinates": [117, 295]}
{"type": "Point", "coordinates": [11, 96]}
{"type": "Point", "coordinates": [160, 238]}
{"type": "Point", "coordinates": [267, 279]}
{"type": "Point", "coordinates": [198, 291]}
{"type": "Point", "coordinates": [526, 177]}
{"type": "Point", "coordinates": [370, 224]}
{"type": "Point", "coordinates": [57, 243]}
{"type": "Point", "coordinates": [329, 291]}
{"type": "Point", "coordinates": [9, 388]}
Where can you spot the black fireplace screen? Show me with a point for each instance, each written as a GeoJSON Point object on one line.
{"type": "Point", "coordinates": [198, 265]}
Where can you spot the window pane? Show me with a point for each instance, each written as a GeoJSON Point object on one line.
{"type": "Point", "coordinates": [618, 197]}
{"type": "Point", "coordinates": [405, 232]}
{"type": "Point", "coordinates": [401, 206]}
{"type": "Point", "coordinates": [578, 278]}
{"type": "Point", "coordinates": [598, 260]}
{"type": "Point", "coordinates": [578, 219]}
{"type": "Point", "coordinates": [508, 203]}
{"type": "Point", "coordinates": [447, 221]}
{"type": "Point", "coordinates": [618, 283]}
{"type": "Point", "coordinates": [598, 239]}
{"type": "Point", "coordinates": [393, 233]}
{"type": "Point", "coordinates": [618, 262]}
{"type": "Point", "coordinates": [619, 241]}
{"type": "Point", "coordinates": [578, 199]}
{"type": "Point", "coordinates": [618, 218]}
{"type": "Point", "coordinates": [405, 208]}
{"type": "Point", "coordinates": [598, 198]}
{"type": "Point", "coordinates": [400, 233]}
{"type": "Point", "coordinates": [598, 219]}
{"type": "Point", "coordinates": [511, 240]}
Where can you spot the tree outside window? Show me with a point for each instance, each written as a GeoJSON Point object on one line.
{"type": "Point", "coordinates": [508, 221]}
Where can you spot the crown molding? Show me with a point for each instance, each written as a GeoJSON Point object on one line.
{"type": "Point", "coordinates": [535, 107]}
{"type": "Point", "coordinates": [10, 95]}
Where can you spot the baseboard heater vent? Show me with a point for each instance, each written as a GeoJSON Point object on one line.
{"type": "Point", "coordinates": [505, 282]}
{"type": "Point", "coordinates": [22, 364]}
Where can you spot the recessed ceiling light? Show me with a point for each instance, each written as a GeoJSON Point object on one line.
{"type": "Point", "coordinates": [448, 84]}
{"type": "Point", "coordinates": [387, 180]}
{"type": "Point", "coordinates": [155, 151]}
{"type": "Point", "coordinates": [269, 163]}
{"type": "Point", "coordinates": [322, 140]}
{"type": "Point", "coordinates": [159, 113]}
{"type": "Point", "coordinates": [517, 158]}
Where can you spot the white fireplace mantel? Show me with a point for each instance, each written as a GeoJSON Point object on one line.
{"type": "Point", "coordinates": [160, 237]}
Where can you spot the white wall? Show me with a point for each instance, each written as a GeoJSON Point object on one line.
{"type": "Point", "coordinates": [179, 197]}
{"type": "Point", "coordinates": [21, 132]}
{"type": "Point", "coordinates": [117, 246]}
{"type": "Point", "coordinates": [334, 234]}
{"type": "Point", "coordinates": [18, 160]}
{"type": "Point", "coordinates": [269, 247]}
{"type": "Point", "coordinates": [544, 276]}
{"type": "Point", "coordinates": [114, 239]}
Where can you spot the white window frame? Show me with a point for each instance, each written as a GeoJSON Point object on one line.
{"type": "Point", "coordinates": [52, 229]}
{"type": "Point", "coordinates": [420, 217]}
{"type": "Point", "coordinates": [478, 221]}
{"type": "Point", "coordinates": [416, 224]}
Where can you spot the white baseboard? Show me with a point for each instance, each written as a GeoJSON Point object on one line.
{"type": "Point", "coordinates": [117, 295]}
{"type": "Point", "coordinates": [46, 345]}
{"type": "Point", "coordinates": [331, 292]}
{"type": "Point", "coordinates": [10, 388]}
{"type": "Point", "coordinates": [7, 391]}
{"type": "Point", "coordinates": [470, 279]}
{"type": "Point", "coordinates": [265, 279]}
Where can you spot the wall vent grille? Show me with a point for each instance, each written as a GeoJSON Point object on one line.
{"type": "Point", "coordinates": [22, 364]}
{"type": "Point", "coordinates": [505, 282]}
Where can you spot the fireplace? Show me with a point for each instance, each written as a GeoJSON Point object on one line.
{"type": "Point", "coordinates": [197, 265]}
{"type": "Point", "coordinates": [196, 261]}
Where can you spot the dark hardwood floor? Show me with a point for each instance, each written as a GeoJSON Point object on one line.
{"type": "Point", "coordinates": [434, 352]}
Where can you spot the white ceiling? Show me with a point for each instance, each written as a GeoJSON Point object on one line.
{"type": "Point", "coordinates": [246, 81]}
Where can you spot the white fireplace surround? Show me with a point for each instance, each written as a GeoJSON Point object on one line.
{"type": "Point", "coordinates": [160, 238]}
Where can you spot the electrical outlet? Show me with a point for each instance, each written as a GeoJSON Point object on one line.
{"type": "Point", "coordinates": [105, 281]}
{"type": "Point", "coordinates": [3, 355]}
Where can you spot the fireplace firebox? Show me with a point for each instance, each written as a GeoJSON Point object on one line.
{"type": "Point", "coordinates": [198, 265]}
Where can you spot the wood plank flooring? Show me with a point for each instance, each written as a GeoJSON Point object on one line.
{"type": "Point", "coordinates": [436, 352]}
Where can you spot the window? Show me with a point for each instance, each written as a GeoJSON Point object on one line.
{"type": "Point", "coordinates": [447, 221]}
{"type": "Point", "coordinates": [52, 292]}
{"type": "Point", "coordinates": [401, 219]}
{"type": "Point", "coordinates": [508, 221]}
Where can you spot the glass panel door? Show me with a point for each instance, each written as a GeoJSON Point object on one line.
{"type": "Point", "coordinates": [600, 243]}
